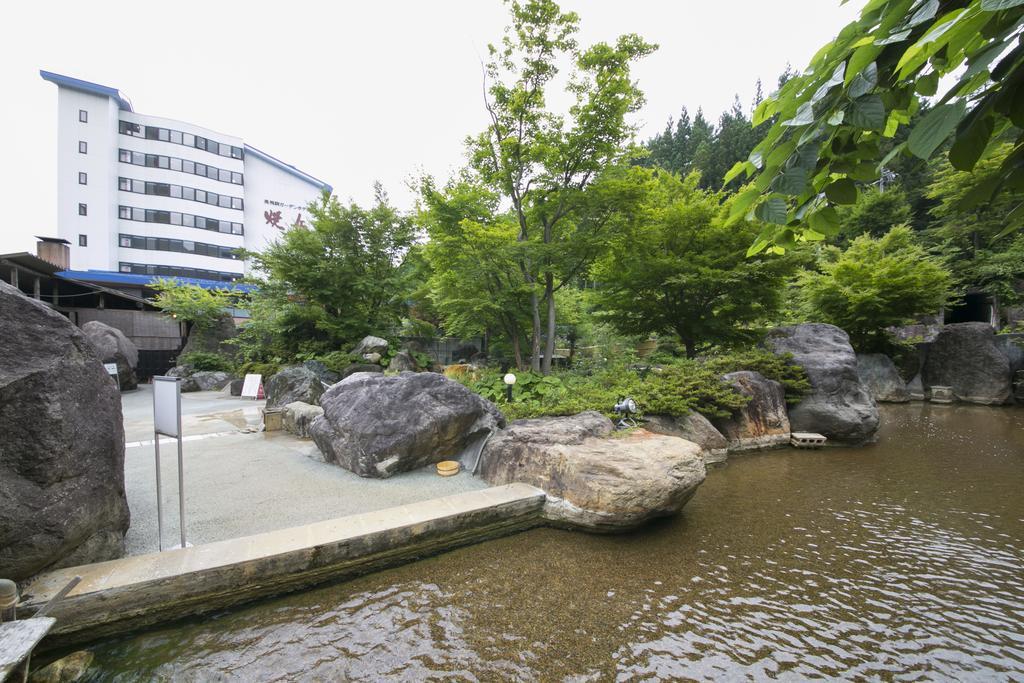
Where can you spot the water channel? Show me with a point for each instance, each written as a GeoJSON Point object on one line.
{"type": "Point", "coordinates": [903, 560]}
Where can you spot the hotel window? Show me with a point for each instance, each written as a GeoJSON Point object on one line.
{"type": "Point", "coordinates": [133, 129]}
{"type": "Point", "coordinates": [83, 116]}
{"type": "Point", "coordinates": [83, 178]}
{"type": "Point", "coordinates": [83, 147]}
{"type": "Point", "coordinates": [83, 209]}
{"type": "Point", "coordinates": [83, 240]}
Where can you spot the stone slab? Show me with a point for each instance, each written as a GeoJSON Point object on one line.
{"type": "Point", "coordinates": [129, 593]}
{"type": "Point", "coordinates": [18, 639]}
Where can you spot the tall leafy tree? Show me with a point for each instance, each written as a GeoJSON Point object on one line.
{"type": "Point", "coordinates": [543, 162]}
{"type": "Point", "coordinates": [338, 278]}
{"type": "Point", "coordinates": [976, 238]}
{"type": "Point", "coordinates": [877, 212]}
{"type": "Point", "coordinates": [677, 269]}
{"type": "Point", "coordinates": [867, 83]}
{"type": "Point", "coordinates": [699, 145]}
{"type": "Point", "coordinates": [474, 281]}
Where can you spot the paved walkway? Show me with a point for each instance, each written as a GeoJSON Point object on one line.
{"type": "Point", "coordinates": [239, 483]}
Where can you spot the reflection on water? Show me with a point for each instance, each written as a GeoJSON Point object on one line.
{"type": "Point", "coordinates": [900, 561]}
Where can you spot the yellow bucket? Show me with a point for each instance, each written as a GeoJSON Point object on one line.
{"type": "Point", "coordinates": [448, 468]}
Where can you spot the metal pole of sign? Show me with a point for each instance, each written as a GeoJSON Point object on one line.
{"type": "Point", "coordinates": [167, 422]}
{"type": "Point", "coordinates": [159, 491]}
{"type": "Point", "coordinates": [181, 476]}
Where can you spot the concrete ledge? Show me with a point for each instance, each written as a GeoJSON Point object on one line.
{"type": "Point", "coordinates": [133, 592]}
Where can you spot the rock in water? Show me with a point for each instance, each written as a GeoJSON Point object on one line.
{"type": "Point", "coordinates": [213, 338]}
{"type": "Point", "coordinates": [113, 347]}
{"type": "Point", "coordinates": [965, 357]}
{"type": "Point", "coordinates": [1012, 346]}
{"type": "Point", "coordinates": [593, 482]}
{"type": "Point", "coordinates": [370, 344]}
{"type": "Point", "coordinates": [68, 669]}
{"type": "Point", "coordinates": [693, 427]}
{"type": "Point", "coordinates": [292, 384]}
{"type": "Point", "coordinates": [879, 376]}
{"type": "Point", "coordinates": [376, 425]}
{"type": "Point", "coordinates": [62, 499]}
{"type": "Point", "coordinates": [298, 416]}
{"type": "Point", "coordinates": [838, 407]}
{"type": "Point", "coordinates": [763, 422]}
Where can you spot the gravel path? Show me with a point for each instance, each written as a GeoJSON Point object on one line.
{"type": "Point", "coordinates": [239, 483]}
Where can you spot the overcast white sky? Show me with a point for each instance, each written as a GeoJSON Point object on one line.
{"type": "Point", "coordinates": [353, 93]}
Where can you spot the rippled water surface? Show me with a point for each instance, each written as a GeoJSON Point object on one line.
{"type": "Point", "coordinates": [898, 561]}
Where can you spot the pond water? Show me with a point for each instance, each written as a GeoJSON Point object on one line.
{"type": "Point", "coordinates": [903, 560]}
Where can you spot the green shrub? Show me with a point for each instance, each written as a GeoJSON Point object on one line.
{"type": "Point", "coordinates": [674, 388]}
{"type": "Point", "coordinates": [782, 369]}
{"type": "Point", "coordinates": [422, 359]}
{"type": "Point", "coordinates": [338, 360]}
{"type": "Point", "coordinates": [255, 368]}
{"type": "Point", "coordinates": [206, 361]}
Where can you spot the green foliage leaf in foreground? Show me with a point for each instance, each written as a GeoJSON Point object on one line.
{"type": "Point", "coordinates": [831, 123]}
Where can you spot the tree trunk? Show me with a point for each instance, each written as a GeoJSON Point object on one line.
{"type": "Point", "coordinates": [691, 348]}
{"type": "Point", "coordinates": [517, 352]}
{"type": "Point", "coordinates": [535, 338]}
{"type": "Point", "coordinates": [549, 346]}
{"type": "Point", "coordinates": [512, 330]}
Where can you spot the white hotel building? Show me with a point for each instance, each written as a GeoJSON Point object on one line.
{"type": "Point", "coordinates": [147, 196]}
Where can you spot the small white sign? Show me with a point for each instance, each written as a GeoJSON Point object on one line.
{"type": "Point", "coordinates": [111, 368]}
{"type": "Point", "coordinates": [166, 405]}
{"type": "Point", "coordinates": [251, 387]}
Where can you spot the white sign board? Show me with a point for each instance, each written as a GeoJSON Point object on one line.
{"type": "Point", "coordinates": [166, 405]}
{"type": "Point", "coordinates": [251, 387]}
{"type": "Point", "coordinates": [111, 368]}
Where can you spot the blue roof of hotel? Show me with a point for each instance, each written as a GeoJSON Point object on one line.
{"type": "Point", "coordinates": [112, 277]}
{"type": "Point", "coordinates": [122, 101]}
{"type": "Point", "coordinates": [86, 86]}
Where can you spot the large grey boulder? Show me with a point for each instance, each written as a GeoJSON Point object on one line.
{"type": "Point", "coordinates": [209, 380]}
{"type": "Point", "coordinates": [112, 346]}
{"type": "Point", "coordinates": [320, 370]}
{"type": "Point", "coordinates": [370, 344]}
{"type": "Point", "coordinates": [1012, 346]}
{"type": "Point", "coordinates": [839, 406]}
{"type": "Point", "coordinates": [62, 499]}
{"type": "Point", "coordinates": [298, 416]}
{"type": "Point", "coordinates": [965, 357]}
{"type": "Point", "coordinates": [213, 338]}
{"type": "Point", "coordinates": [880, 377]}
{"type": "Point", "coordinates": [403, 362]}
{"type": "Point", "coordinates": [295, 383]}
{"type": "Point", "coordinates": [692, 427]}
{"type": "Point", "coordinates": [182, 371]}
{"type": "Point", "coordinates": [594, 482]}
{"type": "Point", "coordinates": [359, 367]}
{"type": "Point", "coordinates": [378, 425]}
{"type": "Point", "coordinates": [763, 421]}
